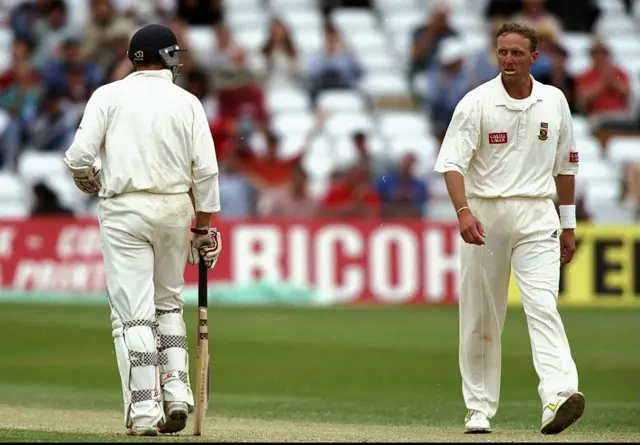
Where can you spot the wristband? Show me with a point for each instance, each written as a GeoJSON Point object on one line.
{"type": "Point", "coordinates": [568, 216]}
{"type": "Point", "coordinates": [200, 230]}
{"type": "Point", "coordinates": [461, 209]}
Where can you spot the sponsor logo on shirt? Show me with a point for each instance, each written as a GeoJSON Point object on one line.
{"type": "Point", "coordinates": [573, 157]}
{"type": "Point", "coordinates": [497, 138]}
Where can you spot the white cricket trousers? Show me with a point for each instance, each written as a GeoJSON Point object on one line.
{"type": "Point", "coordinates": [522, 233]}
{"type": "Point", "coordinates": [145, 242]}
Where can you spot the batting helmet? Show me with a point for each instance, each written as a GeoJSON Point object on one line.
{"type": "Point", "coordinates": [155, 44]}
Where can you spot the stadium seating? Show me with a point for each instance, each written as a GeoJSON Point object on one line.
{"type": "Point", "coordinates": [380, 40]}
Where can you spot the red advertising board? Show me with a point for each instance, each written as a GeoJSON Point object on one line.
{"type": "Point", "coordinates": [356, 261]}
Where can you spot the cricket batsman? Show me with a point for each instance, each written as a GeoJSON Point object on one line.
{"type": "Point", "coordinates": [509, 140]}
{"type": "Point", "coordinates": [155, 149]}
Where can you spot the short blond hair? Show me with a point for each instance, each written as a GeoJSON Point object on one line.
{"type": "Point", "coordinates": [522, 30]}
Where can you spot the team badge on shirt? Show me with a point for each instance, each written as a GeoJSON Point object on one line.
{"type": "Point", "coordinates": [544, 131]}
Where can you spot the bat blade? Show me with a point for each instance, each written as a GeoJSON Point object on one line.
{"type": "Point", "coordinates": [204, 358]}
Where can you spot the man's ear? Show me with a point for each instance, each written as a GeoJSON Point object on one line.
{"type": "Point", "coordinates": [534, 57]}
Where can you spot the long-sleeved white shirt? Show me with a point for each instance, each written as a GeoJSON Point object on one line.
{"type": "Point", "coordinates": [510, 148]}
{"type": "Point", "coordinates": [151, 135]}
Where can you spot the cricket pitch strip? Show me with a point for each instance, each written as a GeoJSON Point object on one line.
{"type": "Point", "coordinates": [231, 429]}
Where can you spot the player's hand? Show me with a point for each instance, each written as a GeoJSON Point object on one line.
{"type": "Point", "coordinates": [88, 182]}
{"type": "Point", "coordinates": [567, 245]}
{"type": "Point", "coordinates": [206, 244]}
{"type": "Point", "coordinates": [471, 230]}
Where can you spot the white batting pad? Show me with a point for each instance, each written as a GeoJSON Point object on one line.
{"type": "Point", "coordinates": [135, 345]}
{"type": "Point", "coordinates": [173, 356]}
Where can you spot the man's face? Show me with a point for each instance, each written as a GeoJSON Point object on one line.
{"type": "Point", "coordinates": [533, 7]}
{"type": "Point", "coordinates": [440, 18]}
{"type": "Point", "coordinates": [299, 180]}
{"type": "Point", "coordinates": [70, 52]}
{"type": "Point", "coordinates": [558, 59]}
{"type": "Point", "coordinates": [408, 164]}
{"type": "Point", "coordinates": [332, 40]}
{"type": "Point", "coordinates": [223, 37]}
{"type": "Point", "coordinates": [515, 57]}
{"type": "Point", "coordinates": [599, 55]}
{"type": "Point", "coordinates": [453, 68]}
{"type": "Point", "coordinates": [21, 50]}
{"type": "Point", "coordinates": [56, 18]}
{"type": "Point", "coordinates": [101, 10]}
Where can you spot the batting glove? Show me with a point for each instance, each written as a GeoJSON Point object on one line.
{"type": "Point", "coordinates": [86, 179]}
{"type": "Point", "coordinates": [206, 244]}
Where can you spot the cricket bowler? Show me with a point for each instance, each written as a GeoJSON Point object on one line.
{"type": "Point", "coordinates": [155, 148]}
{"type": "Point", "coordinates": [508, 142]}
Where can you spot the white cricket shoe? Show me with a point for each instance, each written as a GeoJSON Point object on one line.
{"type": "Point", "coordinates": [142, 431]}
{"type": "Point", "coordinates": [564, 411]}
{"type": "Point", "coordinates": [176, 414]}
{"type": "Point", "coordinates": [475, 422]}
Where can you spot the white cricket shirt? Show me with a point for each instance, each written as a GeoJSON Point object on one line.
{"type": "Point", "coordinates": [151, 135]}
{"type": "Point", "coordinates": [506, 147]}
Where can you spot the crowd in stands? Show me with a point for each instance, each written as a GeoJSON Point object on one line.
{"type": "Point", "coordinates": [56, 64]}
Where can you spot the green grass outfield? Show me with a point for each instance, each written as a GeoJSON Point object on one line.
{"type": "Point", "coordinates": [341, 374]}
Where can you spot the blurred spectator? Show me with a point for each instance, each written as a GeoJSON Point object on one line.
{"type": "Point", "coordinates": [67, 55]}
{"type": "Point", "coordinates": [201, 12]}
{"type": "Point", "coordinates": [280, 56]}
{"type": "Point", "coordinates": [19, 98]}
{"type": "Point", "coordinates": [227, 52]}
{"type": "Point", "coordinates": [103, 24]}
{"type": "Point", "coordinates": [179, 27]}
{"type": "Point", "coordinates": [197, 83]}
{"type": "Point", "coordinates": [271, 170]}
{"type": "Point", "coordinates": [426, 39]}
{"type": "Point", "coordinates": [631, 187]}
{"type": "Point", "coordinates": [327, 6]}
{"type": "Point", "coordinates": [352, 196]}
{"type": "Point", "coordinates": [242, 100]}
{"type": "Point", "coordinates": [291, 200]}
{"type": "Point", "coordinates": [21, 51]}
{"type": "Point", "coordinates": [121, 66]}
{"type": "Point", "coordinates": [237, 194]}
{"type": "Point", "coordinates": [77, 87]}
{"type": "Point", "coordinates": [603, 90]}
{"type": "Point", "coordinates": [403, 195]}
{"type": "Point", "coordinates": [534, 14]}
{"type": "Point", "coordinates": [574, 17]}
{"type": "Point", "coordinates": [52, 130]}
{"type": "Point", "coordinates": [377, 164]}
{"type": "Point", "coordinates": [22, 16]}
{"type": "Point", "coordinates": [483, 66]}
{"type": "Point", "coordinates": [50, 29]}
{"type": "Point", "coordinates": [447, 84]}
{"type": "Point", "coordinates": [47, 202]}
{"type": "Point", "coordinates": [147, 11]}
{"type": "Point", "coordinates": [187, 65]}
{"type": "Point", "coordinates": [559, 77]}
{"type": "Point", "coordinates": [543, 64]}
{"type": "Point", "coordinates": [335, 67]}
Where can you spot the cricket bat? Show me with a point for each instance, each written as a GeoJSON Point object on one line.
{"type": "Point", "coordinates": [204, 364]}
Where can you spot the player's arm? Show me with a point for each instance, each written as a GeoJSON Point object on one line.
{"type": "Point", "coordinates": [458, 148]}
{"type": "Point", "coordinates": [460, 144]}
{"type": "Point", "coordinates": [565, 171]}
{"type": "Point", "coordinates": [85, 148]}
{"type": "Point", "coordinates": [566, 168]}
{"type": "Point", "coordinates": [204, 170]}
